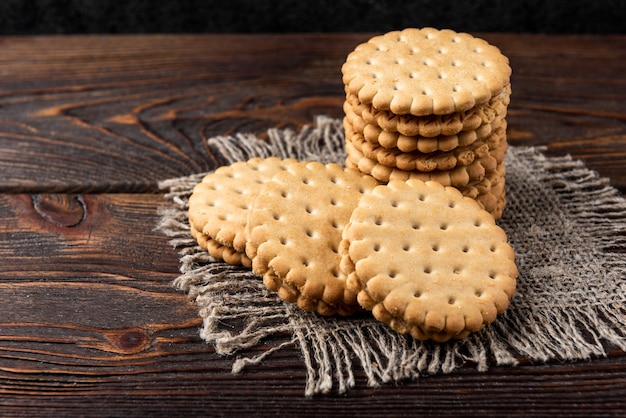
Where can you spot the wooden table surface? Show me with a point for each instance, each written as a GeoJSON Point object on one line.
{"type": "Point", "coordinates": [89, 321]}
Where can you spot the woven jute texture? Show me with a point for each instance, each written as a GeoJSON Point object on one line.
{"type": "Point", "coordinates": [566, 224]}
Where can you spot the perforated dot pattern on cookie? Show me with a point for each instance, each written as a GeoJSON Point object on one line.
{"type": "Point", "coordinates": [295, 230]}
{"type": "Point", "coordinates": [428, 261]}
{"type": "Point", "coordinates": [219, 204]}
{"type": "Point", "coordinates": [425, 71]}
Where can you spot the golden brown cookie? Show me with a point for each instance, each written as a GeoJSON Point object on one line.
{"type": "Point", "coordinates": [404, 143]}
{"type": "Point", "coordinates": [219, 205]}
{"type": "Point", "coordinates": [395, 140]}
{"type": "Point", "coordinates": [427, 126]}
{"type": "Point", "coordinates": [420, 161]}
{"type": "Point", "coordinates": [294, 231]}
{"type": "Point", "coordinates": [459, 176]}
{"type": "Point", "coordinates": [425, 72]}
{"type": "Point", "coordinates": [494, 200]}
{"type": "Point", "coordinates": [219, 251]}
{"type": "Point", "coordinates": [491, 179]}
{"type": "Point", "coordinates": [427, 261]}
{"type": "Point", "coordinates": [430, 126]}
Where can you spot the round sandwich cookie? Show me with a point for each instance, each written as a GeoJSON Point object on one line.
{"type": "Point", "coordinates": [459, 176]}
{"type": "Point", "coordinates": [423, 161]}
{"type": "Point", "coordinates": [376, 134]}
{"type": "Point", "coordinates": [432, 125]}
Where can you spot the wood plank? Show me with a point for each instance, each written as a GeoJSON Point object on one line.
{"type": "Point", "coordinates": [114, 236]}
{"type": "Point", "coordinates": [89, 322]}
{"type": "Point", "coordinates": [207, 391]}
{"type": "Point", "coordinates": [120, 113]}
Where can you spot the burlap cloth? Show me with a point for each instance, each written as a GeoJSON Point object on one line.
{"type": "Point", "coordinates": [568, 228]}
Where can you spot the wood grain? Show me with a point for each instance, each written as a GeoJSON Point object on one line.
{"type": "Point", "coordinates": [89, 321]}
{"type": "Point", "coordinates": [118, 114]}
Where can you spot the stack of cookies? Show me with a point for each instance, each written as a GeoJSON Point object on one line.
{"type": "Point", "coordinates": [431, 105]}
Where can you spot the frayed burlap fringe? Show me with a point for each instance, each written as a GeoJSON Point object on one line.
{"type": "Point", "coordinates": [568, 228]}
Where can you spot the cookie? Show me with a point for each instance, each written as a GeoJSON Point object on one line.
{"type": "Point", "coordinates": [427, 126]}
{"type": "Point", "coordinates": [423, 161]}
{"type": "Point", "coordinates": [459, 176]}
{"type": "Point", "coordinates": [427, 261]}
{"type": "Point", "coordinates": [432, 125]}
{"type": "Point", "coordinates": [376, 135]}
{"type": "Point", "coordinates": [425, 72]}
{"type": "Point", "coordinates": [219, 205]}
{"type": "Point", "coordinates": [219, 251]}
{"type": "Point", "coordinates": [294, 231]}
{"type": "Point", "coordinates": [491, 179]}
{"type": "Point", "coordinates": [493, 200]}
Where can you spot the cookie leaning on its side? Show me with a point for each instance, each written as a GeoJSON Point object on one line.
{"type": "Point", "coordinates": [427, 261]}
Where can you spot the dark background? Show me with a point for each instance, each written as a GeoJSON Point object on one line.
{"type": "Point", "coordinates": [283, 16]}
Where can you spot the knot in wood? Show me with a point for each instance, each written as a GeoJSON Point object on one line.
{"type": "Point", "coordinates": [61, 209]}
{"type": "Point", "coordinates": [129, 341]}
{"type": "Point", "coordinates": [132, 339]}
